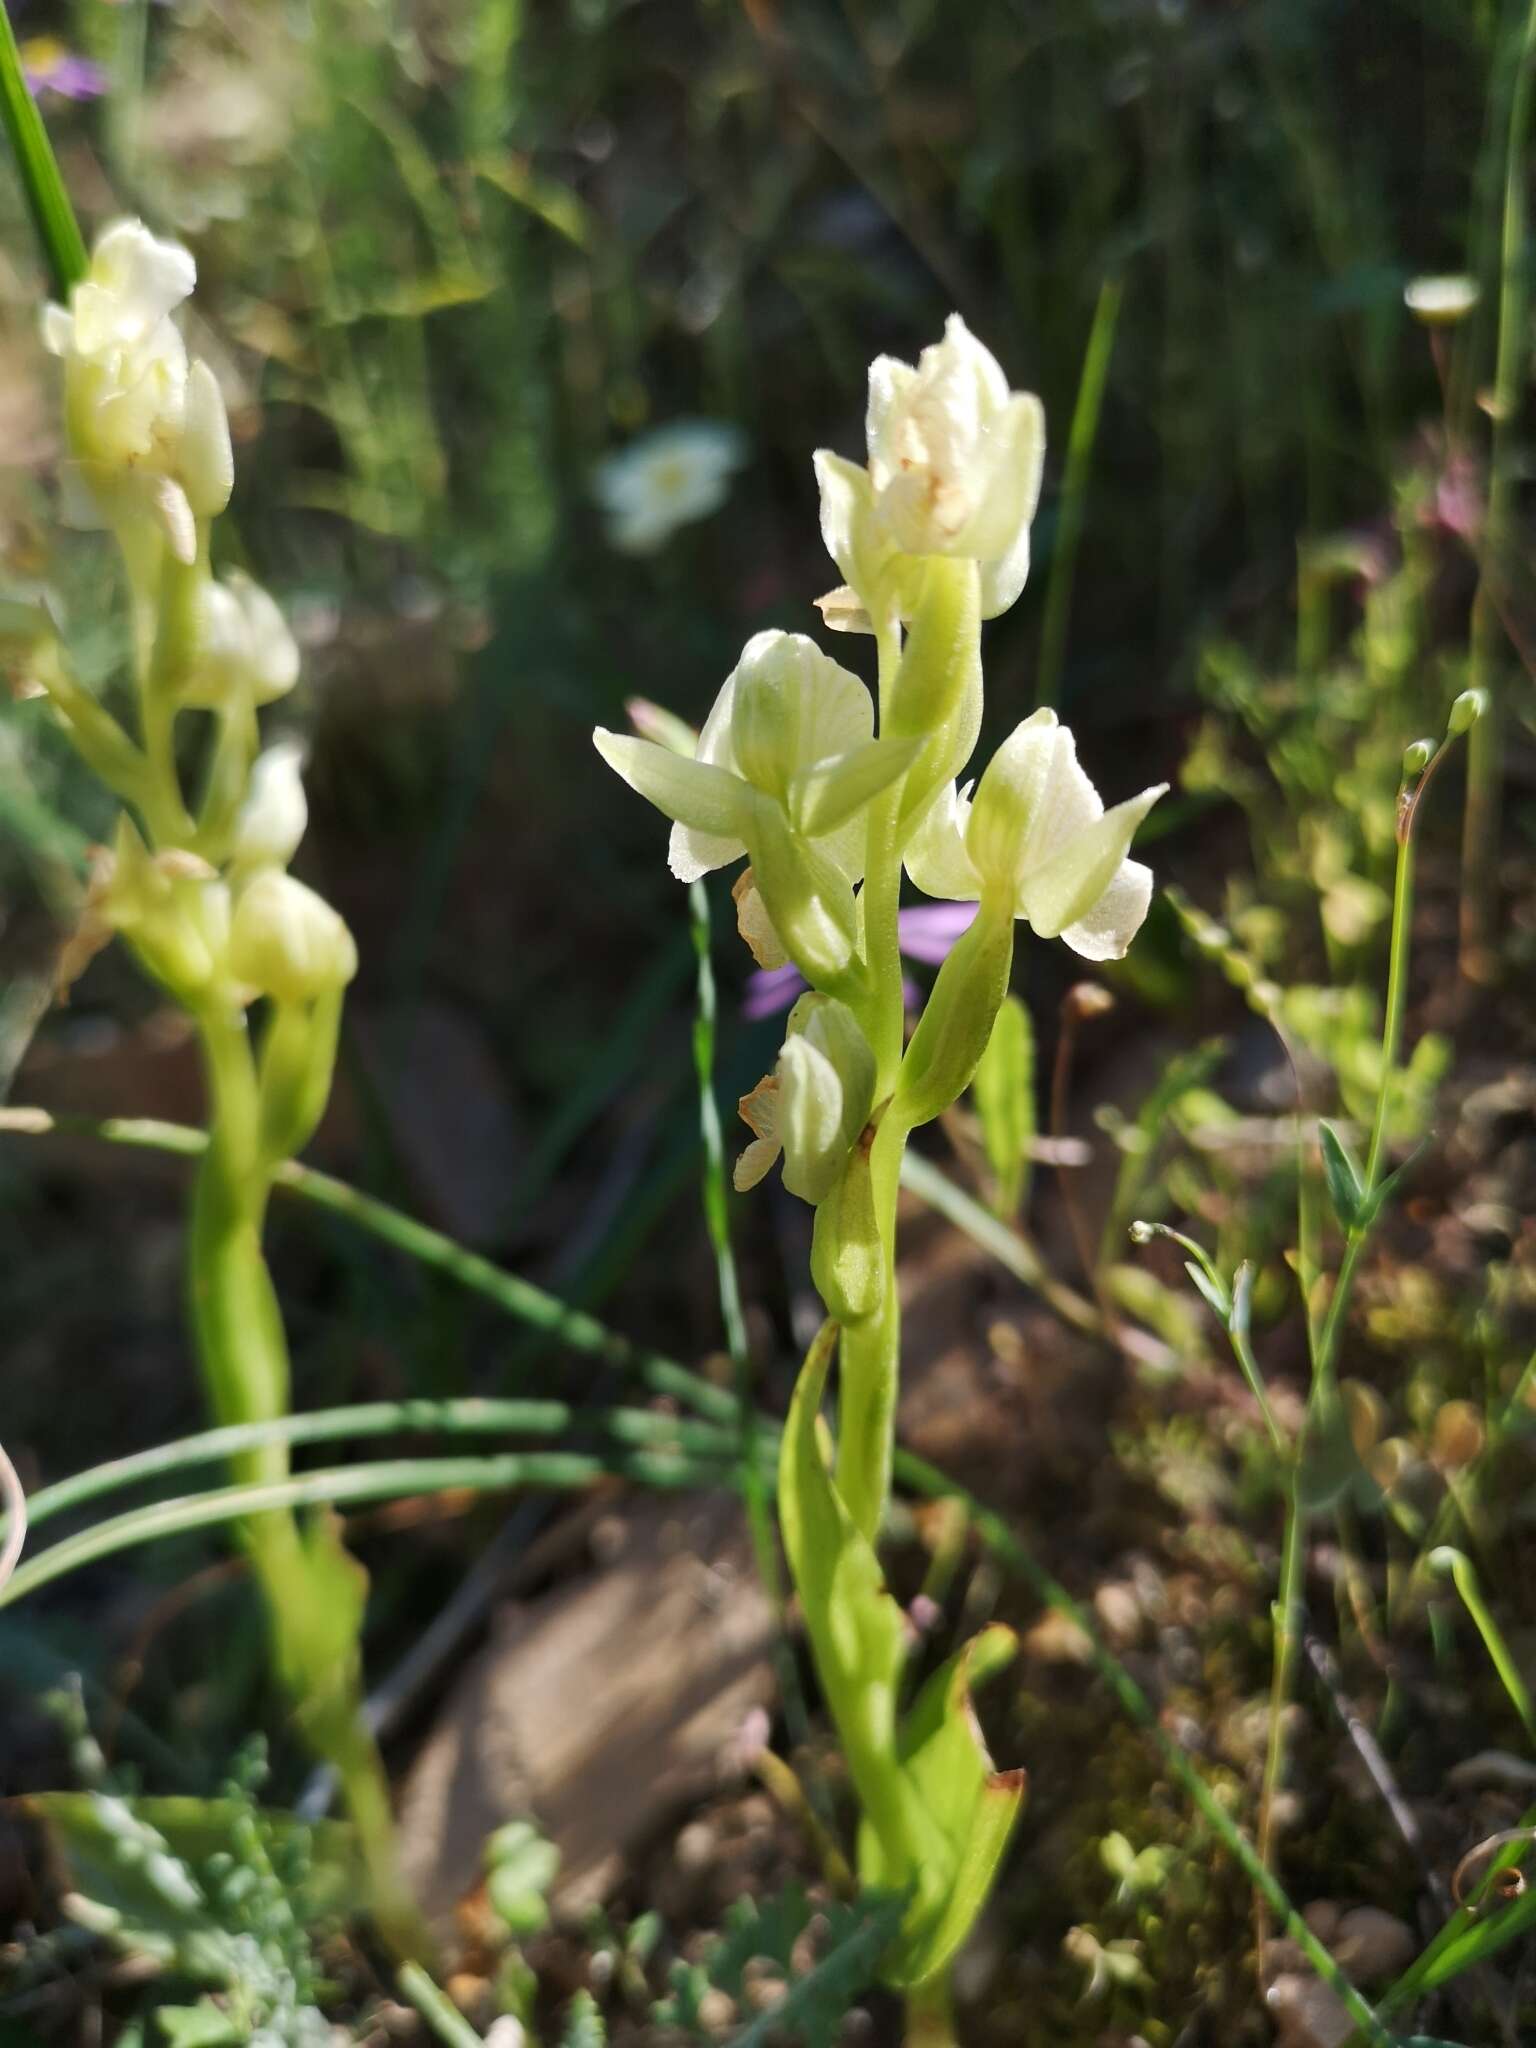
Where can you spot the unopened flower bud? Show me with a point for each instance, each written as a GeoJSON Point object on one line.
{"type": "Point", "coordinates": [286, 941]}
{"type": "Point", "coordinates": [814, 1105]}
{"type": "Point", "coordinates": [1416, 758]}
{"type": "Point", "coordinates": [1440, 301]}
{"type": "Point", "coordinates": [1141, 1233]}
{"type": "Point", "coordinates": [827, 1084]}
{"type": "Point", "coordinates": [244, 648]}
{"type": "Point", "coordinates": [272, 818]}
{"type": "Point", "coordinates": [655, 722]}
{"type": "Point", "coordinates": [205, 459]}
{"type": "Point", "coordinates": [1466, 710]}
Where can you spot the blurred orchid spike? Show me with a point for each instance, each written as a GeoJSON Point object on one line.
{"type": "Point", "coordinates": [147, 427]}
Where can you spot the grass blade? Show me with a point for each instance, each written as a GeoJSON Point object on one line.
{"type": "Point", "coordinates": [389, 1479]}
{"type": "Point", "coordinates": [52, 215]}
{"type": "Point", "coordinates": [471, 1416]}
{"type": "Point", "coordinates": [1074, 491]}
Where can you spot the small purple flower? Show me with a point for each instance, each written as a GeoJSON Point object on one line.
{"type": "Point", "coordinates": [927, 932]}
{"type": "Point", "coordinates": [50, 67]}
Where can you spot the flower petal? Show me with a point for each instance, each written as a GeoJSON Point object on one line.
{"type": "Point", "coordinates": [708, 799]}
{"type": "Point", "coordinates": [936, 858]}
{"type": "Point", "coordinates": [1065, 889]}
{"type": "Point", "coordinates": [1107, 929]}
{"type": "Point", "coordinates": [1016, 792]}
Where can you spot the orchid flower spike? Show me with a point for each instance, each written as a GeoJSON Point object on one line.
{"type": "Point", "coordinates": [790, 727]}
{"type": "Point", "coordinates": [954, 469]}
{"type": "Point", "coordinates": [147, 425]}
{"type": "Point", "coordinates": [1039, 830]}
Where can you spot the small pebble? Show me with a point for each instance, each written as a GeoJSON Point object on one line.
{"type": "Point", "coordinates": [1322, 1916]}
{"type": "Point", "coordinates": [1373, 1945]}
{"type": "Point", "coordinates": [695, 1846]}
{"type": "Point", "coordinates": [1119, 1613]}
{"type": "Point", "coordinates": [1307, 2014]}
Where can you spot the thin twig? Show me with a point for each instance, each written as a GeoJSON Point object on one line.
{"type": "Point", "coordinates": [1377, 1768]}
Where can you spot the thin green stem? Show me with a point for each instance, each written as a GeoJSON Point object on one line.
{"type": "Point", "coordinates": [1073, 505]}
{"type": "Point", "coordinates": [1480, 831]}
{"type": "Point", "coordinates": [1397, 1003]}
{"type": "Point", "coordinates": [881, 897]}
{"type": "Point", "coordinates": [1459, 1565]}
{"type": "Point", "coordinates": [869, 1379]}
{"type": "Point", "coordinates": [271, 1502]}
{"type": "Point", "coordinates": [1288, 1614]}
{"type": "Point", "coordinates": [717, 1219]}
{"type": "Point", "coordinates": [47, 199]}
{"type": "Point", "coordinates": [470, 1416]}
{"type": "Point", "coordinates": [436, 2008]}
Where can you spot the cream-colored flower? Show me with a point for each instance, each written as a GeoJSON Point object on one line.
{"type": "Point", "coordinates": [667, 478]}
{"type": "Point", "coordinates": [287, 942]}
{"type": "Point", "coordinates": [245, 650]}
{"type": "Point", "coordinates": [272, 819]}
{"type": "Point", "coordinates": [954, 469]}
{"type": "Point", "coordinates": [789, 724]}
{"type": "Point", "coordinates": [1038, 827]}
{"type": "Point", "coordinates": [147, 427]}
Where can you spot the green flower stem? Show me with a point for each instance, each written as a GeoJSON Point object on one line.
{"type": "Point", "coordinates": [243, 1352]}
{"type": "Point", "coordinates": [882, 897]}
{"type": "Point", "coordinates": [1288, 1611]}
{"type": "Point", "coordinates": [436, 2008]}
{"type": "Point", "coordinates": [1459, 1565]}
{"type": "Point", "coordinates": [931, 2014]}
{"type": "Point", "coordinates": [1401, 945]}
{"type": "Point", "coordinates": [1322, 1397]}
{"type": "Point", "coordinates": [870, 1360]}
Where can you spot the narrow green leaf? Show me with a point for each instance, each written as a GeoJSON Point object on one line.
{"type": "Point", "coordinates": [1346, 1188]}
{"type": "Point", "coordinates": [52, 215]}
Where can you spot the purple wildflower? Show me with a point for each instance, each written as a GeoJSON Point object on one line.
{"type": "Point", "coordinates": [50, 67]}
